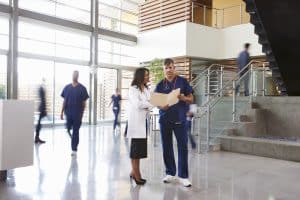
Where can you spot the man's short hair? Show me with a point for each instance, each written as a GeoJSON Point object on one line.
{"type": "Point", "coordinates": [247, 45]}
{"type": "Point", "coordinates": [168, 61]}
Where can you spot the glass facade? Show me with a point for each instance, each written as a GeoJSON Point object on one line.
{"type": "Point", "coordinates": [3, 76]}
{"type": "Point", "coordinates": [4, 31]}
{"type": "Point", "coordinates": [75, 10]}
{"type": "Point", "coordinates": [57, 76]}
{"type": "Point", "coordinates": [42, 40]}
{"type": "Point", "coordinates": [116, 15]}
{"type": "Point", "coordinates": [49, 50]}
{"type": "Point", "coordinates": [117, 53]}
{"type": "Point", "coordinates": [107, 84]}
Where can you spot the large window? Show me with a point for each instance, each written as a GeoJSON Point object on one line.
{"type": "Point", "coordinates": [116, 53]}
{"type": "Point", "coordinates": [43, 40]}
{"type": "Point", "coordinates": [107, 84]}
{"type": "Point", "coordinates": [75, 10]}
{"type": "Point", "coordinates": [3, 75]}
{"type": "Point", "coordinates": [57, 75]}
{"type": "Point", "coordinates": [118, 16]}
{"type": "Point", "coordinates": [63, 76]}
{"type": "Point", "coordinates": [4, 1]}
{"type": "Point", "coordinates": [127, 77]}
{"type": "Point", "coordinates": [4, 30]}
{"type": "Point", "coordinates": [30, 75]}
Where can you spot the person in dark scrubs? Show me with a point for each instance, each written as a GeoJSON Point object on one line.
{"type": "Point", "coordinates": [115, 100]}
{"type": "Point", "coordinates": [173, 119]}
{"type": "Point", "coordinates": [43, 112]}
{"type": "Point", "coordinates": [75, 96]}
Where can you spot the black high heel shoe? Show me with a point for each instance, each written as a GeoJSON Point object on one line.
{"type": "Point", "coordinates": [138, 182]}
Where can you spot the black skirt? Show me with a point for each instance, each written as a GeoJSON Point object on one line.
{"type": "Point", "coordinates": [138, 148]}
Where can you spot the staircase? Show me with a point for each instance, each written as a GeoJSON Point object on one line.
{"type": "Point", "coordinates": [278, 31]}
{"type": "Point", "coordinates": [210, 80]}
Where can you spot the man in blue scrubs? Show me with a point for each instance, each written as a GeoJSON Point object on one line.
{"type": "Point", "coordinates": [75, 96]}
{"type": "Point", "coordinates": [173, 118]}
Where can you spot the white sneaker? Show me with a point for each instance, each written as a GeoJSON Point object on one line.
{"type": "Point", "coordinates": [185, 182]}
{"type": "Point", "coordinates": [168, 179]}
{"type": "Point", "coordinates": [74, 153]}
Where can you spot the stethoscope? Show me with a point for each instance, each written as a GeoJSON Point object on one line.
{"type": "Point", "coordinates": [166, 85]}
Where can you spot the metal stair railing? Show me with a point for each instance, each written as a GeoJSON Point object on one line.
{"type": "Point", "coordinates": [209, 106]}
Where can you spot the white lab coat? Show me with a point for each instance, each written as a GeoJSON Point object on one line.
{"type": "Point", "coordinates": [138, 107]}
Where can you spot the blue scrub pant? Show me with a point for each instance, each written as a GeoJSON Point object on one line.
{"type": "Point", "coordinates": [116, 113]}
{"type": "Point", "coordinates": [75, 123]}
{"type": "Point", "coordinates": [166, 129]}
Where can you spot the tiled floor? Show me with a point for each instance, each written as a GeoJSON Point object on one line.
{"type": "Point", "coordinates": [101, 171]}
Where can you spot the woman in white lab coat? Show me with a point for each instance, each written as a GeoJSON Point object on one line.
{"type": "Point", "coordinates": [138, 108]}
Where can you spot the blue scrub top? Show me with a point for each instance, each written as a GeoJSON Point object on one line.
{"type": "Point", "coordinates": [116, 100]}
{"type": "Point", "coordinates": [177, 112]}
{"type": "Point", "coordinates": [74, 97]}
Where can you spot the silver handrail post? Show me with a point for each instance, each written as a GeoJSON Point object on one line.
{"type": "Point", "coordinates": [192, 11]}
{"type": "Point", "coordinates": [263, 83]}
{"type": "Point", "coordinates": [233, 101]}
{"type": "Point", "coordinates": [199, 134]}
{"type": "Point", "coordinates": [204, 15]}
{"type": "Point", "coordinates": [223, 18]}
{"type": "Point", "coordinates": [208, 84]}
{"type": "Point", "coordinates": [251, 84]}
{"type": "Point", "coordinates": [221, 82]}
{"type": "Point", "coordinates": [208, 127]}
{"type": "Point", "coordinates": [241, 13]}
{"type": "Point", "coordinates": [216, 24]}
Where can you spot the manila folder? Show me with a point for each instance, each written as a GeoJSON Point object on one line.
{"type": "Point", "coordinates": [160, 99]}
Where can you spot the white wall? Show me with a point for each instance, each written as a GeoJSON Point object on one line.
{"type": "Point", "coordinates": [233, 38]}
{"type": "Point", "coordinates": [168, 41]}
{"type": "Point", "coordinates": [203, 41]}
{"type": "Point", "coordinates": [194, 40]}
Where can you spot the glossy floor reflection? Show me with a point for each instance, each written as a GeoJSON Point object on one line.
{"type": "Point", "coordinates": [101, 171]}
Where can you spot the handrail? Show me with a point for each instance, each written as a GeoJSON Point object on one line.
{"type": "Point", "coordinates": [204, 72]}
{"type": "Point", "coordinates": [210, 104]}
{"type": "Point", "coordinates": [199, 75]}
{"type": "Point", "coordinates": [212, 8]}
{"type": "Point", "coordinates": [229, 83]}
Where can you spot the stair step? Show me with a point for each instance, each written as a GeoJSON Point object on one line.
{"type": "Point", "coordinates": [261, 147]}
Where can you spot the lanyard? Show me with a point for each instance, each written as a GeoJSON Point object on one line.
{"type": "Point", "coordinates": [166, 85]}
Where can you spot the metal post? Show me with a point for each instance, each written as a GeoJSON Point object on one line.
{"type": "Point", "coordinates": [263, 83]}
{"type": "Point", "coordinates": [208, 127]}
{"type": "Point", "coordinates": [192, 11]}
{"type": "Point", "coordinates": [208, 84]}
{"type": "Point", "coordinates": [221, 81]}
{"type": "Point", "coordinates": [241, 13]}
{"type": "Point", "coordinates": [204, 15]}
{"type": "Point", "coordinates": [223, 18]}
{"type": "Point", "coordinates": [93, 64]}
{"type": "Point", "coordinates": [154, 128]}
{"type": "Point", "coordinates": [233, 102]}
{"type": "Point", "coordinates": [216, 24]}
{"type": "Point", "coordinates": [12, 61]}
{"type": "Point", "coordinates": [199, 134]}
{"type": "Point", "coordinates": [251, 84]}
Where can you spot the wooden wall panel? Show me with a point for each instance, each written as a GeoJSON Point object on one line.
{"type": "Point", "coordinates": [158, 13]}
